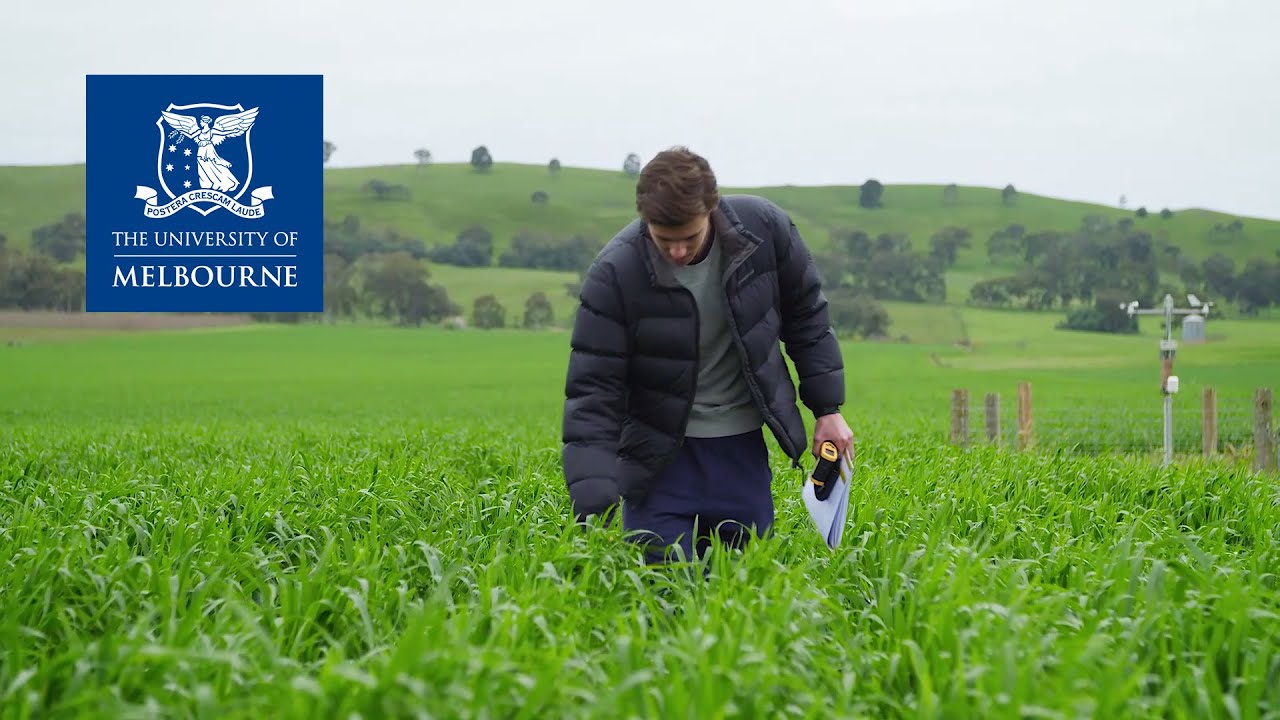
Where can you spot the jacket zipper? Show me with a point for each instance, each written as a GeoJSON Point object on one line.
{"type": "Point", "coordinates": [697, 358]}
{"type": "Point", "coordinates": [769, 417]}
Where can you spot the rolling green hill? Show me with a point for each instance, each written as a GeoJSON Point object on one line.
{"type": "Point", "coordinates": [444, 199]}
{"type": "Point", "coordinates": [31, 196]}
{"type": "Point", "coordinates": [441, 200]}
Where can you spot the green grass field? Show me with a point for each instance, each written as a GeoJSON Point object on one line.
{"type": "Point", "coordinates": [370, 522]}
{"type": "Point", "coordinates": [362, 521]}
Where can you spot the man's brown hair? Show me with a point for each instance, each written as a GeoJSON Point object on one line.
{"type": "Point", "coordinates": [676, 186]}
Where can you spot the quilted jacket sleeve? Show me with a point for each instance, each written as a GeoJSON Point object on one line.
{"type": "Point", "coordinates": [595, 395]}
{"type": "Point", "coordinates": [806, 324]}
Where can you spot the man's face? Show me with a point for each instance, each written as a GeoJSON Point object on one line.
{"type": "Point", "coordinates": [680, 244]}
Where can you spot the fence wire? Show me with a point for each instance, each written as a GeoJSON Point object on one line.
{"type": "Point", "coordinates": [1085, 425]}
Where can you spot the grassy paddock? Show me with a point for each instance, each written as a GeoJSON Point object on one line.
{"type": "Point", "coordinates": [511, 286]}
{"type": "Point", "coordinates": [331, 522]}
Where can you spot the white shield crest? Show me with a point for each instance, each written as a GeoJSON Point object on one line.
{"type": "Point", "coordinates": [205, 146]}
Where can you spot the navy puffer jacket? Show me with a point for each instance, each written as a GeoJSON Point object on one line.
{"type": "Point", "coordinates": [633, 361]}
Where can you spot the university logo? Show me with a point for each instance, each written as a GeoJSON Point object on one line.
{"type": "Point", "coordinates": [204, 193]}
{"type": "Point", "coordinates": [188, 154]}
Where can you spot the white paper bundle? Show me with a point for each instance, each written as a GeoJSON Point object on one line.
{"type": "Point", "coordinates": [829, 515]}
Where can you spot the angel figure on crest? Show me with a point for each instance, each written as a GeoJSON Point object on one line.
{"type": "Point", "coordinates": [215, 171]}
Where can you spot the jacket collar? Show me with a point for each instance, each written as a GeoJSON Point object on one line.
{"type": "Point", "coordinates": [737, 244]}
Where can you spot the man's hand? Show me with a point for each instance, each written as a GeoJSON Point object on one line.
{"type": "Point", "coordinates": [833, 428]}
{"type": "Point", "coordinates": [594, 496]}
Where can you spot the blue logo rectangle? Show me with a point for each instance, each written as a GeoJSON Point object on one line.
{"type": "Point", "coordinates": [204, 193]}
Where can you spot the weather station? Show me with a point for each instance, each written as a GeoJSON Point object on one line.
{"type": "Point", "coordinates": [1168, 349]}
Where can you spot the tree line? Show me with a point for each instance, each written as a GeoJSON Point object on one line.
{"type": "Point", "coordinates": [378, 273]}
{"type": "Point", "coordinates": [860, 271]}
{"type": "Point", "coordinates": [1104, 263]}
{"type": "Point", "coordinates": [473, 247]}
{"type": "Point", "coordinates": [39, 278]}
{"type": "Point", "coordinates": [383, 273]}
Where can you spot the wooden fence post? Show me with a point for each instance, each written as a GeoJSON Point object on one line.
{"type": "Point", "coordinates": [960, 417]}
{"type": "Point", "coordinates": [1024, 416]}
{"type": "Point", "coordinates": [1264, 453]}
{"type": "Point", "coordinates": [1210, 423]}
{"type": "Point", "coordinates": [993, 418]}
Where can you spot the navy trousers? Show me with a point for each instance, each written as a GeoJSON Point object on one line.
{"type": "Point", "coordinates": [716, 488]}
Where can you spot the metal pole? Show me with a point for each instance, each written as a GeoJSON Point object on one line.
{"type": "Point", "coordinates": [1168, 350]}
{"type": "Point", "coordinates": [1164, 385]}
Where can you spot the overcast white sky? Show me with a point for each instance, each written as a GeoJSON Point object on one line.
{"type": "Point", "coordinates": [1170, 102]}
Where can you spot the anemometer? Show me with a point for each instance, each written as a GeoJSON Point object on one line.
{"type": "Point", "coordinates": [1169, 349]}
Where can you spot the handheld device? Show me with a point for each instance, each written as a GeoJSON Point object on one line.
{"type": "Point", "coordinates": [826, 472]}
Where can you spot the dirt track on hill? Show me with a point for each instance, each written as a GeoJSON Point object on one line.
{"type": "Point", "coordinates": [118, 321]}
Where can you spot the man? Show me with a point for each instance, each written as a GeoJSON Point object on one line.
{"type": "Point", "coordinates": [675, 366]}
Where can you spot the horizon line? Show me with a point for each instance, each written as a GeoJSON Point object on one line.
{"type": "Point", "coordinates": [814, 185]}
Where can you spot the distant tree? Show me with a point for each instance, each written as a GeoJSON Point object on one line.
{"type": "Point", "coordinates": [543, 251]}
{"type": "Point", "coordinates": [1166, 213]}
{"type": "Point", "coordinates": [1104, 316]}
{"type": "Point", "coordinates": [346, 239]}
{"type": "Point", "coordinates": [473, 247]}
{"type": "Point", "coordinates": [1092, 223]}
{"type": "Point", "coordinates": [1006, 244]}
{"type": "Point", "coordinates": [329, 149]}
{"type": "Point", "coordinates": [394, 286]}
{"type": "Point", "coordinates": [4, 241]}
{"type": "Point", "coordinates": [35, 281]}
{"type": "Point", "coordinates": [481, 160]}
{"type": "Point", "coordinates": [1009, 196]}
{"type": "Point", "coordinates": [1191, 275]}
{"type": "Point", "coordinates": [339, 293]}
{"type": "Point", "coordinates": [1142, 212]}
{"type": "Point", "coordinates": [871, 194]}
{"type": "Point", "coordinates": [554, 166]}
{"type": "Point", "coordinates": [631, 165]}
{"type": "Point", "coordinates": [997, 291]}
{"type": "Point", "coordinates": [1257, 287]}
{"type": "Point", "coordinates": [423, 156]}
{"type": "Point", "coordinates": [478, 240]}
{"type": "Point", "coordinates": [885, 267]}
{"type": "Point", "coordinates": [539, 197]}
{"type": "Point", "coordinates": [63, 241]}
{"type": "Point", "coordinates": [855, 313]}
{"type": "Point", "coordinates": [950, 195]}
{"type": "Point", "coordinates": [487, 312]}
{"type": "Point", "coordinates": [947, 243]}
{"type": "Point", "coordinates": [1221, 234]}
{"type": "Point", "coordinates": [537, 311]}
{"type": "Point", "coordinates": [1123, 201]}
{"type": "Point", "coordinates": [1219, 272]}
{"type": "Point", "coordinates": [383, 190]}
{"type": "Point", "coordinates": [1063, 267]}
